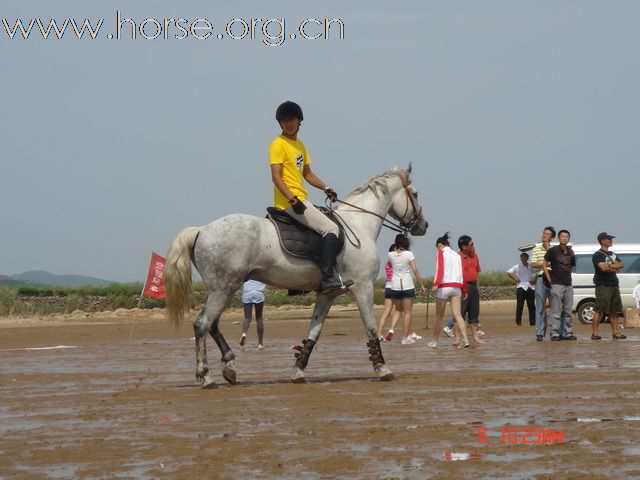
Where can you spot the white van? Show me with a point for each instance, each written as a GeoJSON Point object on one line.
{"type": "Point", "coordinates": [584, 291]}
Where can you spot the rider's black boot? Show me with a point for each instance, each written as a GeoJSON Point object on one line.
{"type": "Point", "coordinates": [330, 279]}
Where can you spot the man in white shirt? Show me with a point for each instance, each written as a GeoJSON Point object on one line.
{"type": "Point", "coordinates": [521, 274]}
{"type": "Point", "coordinates": [636, 294]}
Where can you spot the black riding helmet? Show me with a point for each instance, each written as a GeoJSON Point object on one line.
{"type": "Point", "coordinates": [289, 109]}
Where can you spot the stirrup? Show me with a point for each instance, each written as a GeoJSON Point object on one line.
{"type": "Point", "coordinates": [345, 283]}
{"type": "Point", "coordinates": [341, 288]}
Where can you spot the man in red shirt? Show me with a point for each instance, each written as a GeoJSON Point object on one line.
{"type": "Point", "coordinates": [470, 270]}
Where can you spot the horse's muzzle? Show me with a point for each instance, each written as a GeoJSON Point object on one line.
{"type": "Point", "coordinates": [419, 229]}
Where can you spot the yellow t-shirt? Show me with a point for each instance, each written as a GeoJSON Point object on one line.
{"type": "Point", "coordinates": [293, 156]}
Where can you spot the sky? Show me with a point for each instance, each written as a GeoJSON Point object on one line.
{"type": "Point", "coordinates": [515, 114]}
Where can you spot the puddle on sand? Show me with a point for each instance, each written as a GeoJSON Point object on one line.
{"type": "Point", "coordinates": [631, 451]}
{"type": "Point", "coordinates": [489, 457]}
{"type": "Point", "coordinates": [52, 471]}
{"type": "Point", "coordinates": [361, 448]}
{"type": "Point", "coordinates": [592, 419]}
{"type": "Point", "coordinates": [512, 456]}
{"type": "Point", "coordinates": [460, 456]}
{"type": "Point", "coordinates": [347, 419]}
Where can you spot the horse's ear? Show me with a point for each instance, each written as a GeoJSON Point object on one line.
{"type": "Point", "coordinates": [409, 169]}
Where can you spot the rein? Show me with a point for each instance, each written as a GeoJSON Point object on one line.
{"type": "Point", "coordinates": [399, 227]}
{"type": "Point", "coordinates": [396, 227]}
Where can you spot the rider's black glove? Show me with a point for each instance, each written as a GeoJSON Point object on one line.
{"type": "Point", "coordinates": [298, 206]}
{"type": "Point", "coordinates": [331, 194]}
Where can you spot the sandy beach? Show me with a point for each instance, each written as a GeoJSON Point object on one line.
{"type": "Point", "coordinates": [117, 398]}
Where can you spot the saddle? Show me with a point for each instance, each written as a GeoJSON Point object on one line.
{"type": "Point", "coordinates": [298, 240]}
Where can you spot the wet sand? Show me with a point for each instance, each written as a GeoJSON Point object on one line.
{"type": "Point", "coordinates": [123, 402]}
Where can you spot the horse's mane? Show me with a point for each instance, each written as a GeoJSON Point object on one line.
{"type": "Point", "coordinates": [378, 184]}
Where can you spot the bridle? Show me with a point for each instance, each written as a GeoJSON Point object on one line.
{"type": "Point", "coordinates": [417, 210]}
{"type": "Point", "coordinates": [401, 226]}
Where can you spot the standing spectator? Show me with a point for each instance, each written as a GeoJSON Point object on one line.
{"type": "Point", "coordinates": [542, 289]}
{"type": "Point", "coordinates": [388, 301]}
{"type": "Point", "coordinates": [562, 261]}
{"type": "Point", "coordinates": [521, 274]}
{"type": "Point", "coordinates": [448, 286]}
{"type": "Point", "coordinates": [471, 303]}
{"type": "Point", "coordinates": [636, 294]}
{"type": "Point", "coordinates": [403, 264]}
{"type": "Point", "coordinates": [608, 300]}
{"type": "Point", "coordinates": [253, 296]}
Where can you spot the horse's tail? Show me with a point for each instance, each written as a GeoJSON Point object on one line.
{"type": "Point", "coordinates": [177, 274]}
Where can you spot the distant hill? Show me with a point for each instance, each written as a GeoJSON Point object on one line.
{"type": "Point", "coordinates": [10, 281]}
{"type": "Point", "coordinates": [39, 277]}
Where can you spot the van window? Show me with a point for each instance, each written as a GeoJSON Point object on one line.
{"type": "Point", "coordinates": [584, 264]}
{"type": "Point", "coordinates": [631, 262]}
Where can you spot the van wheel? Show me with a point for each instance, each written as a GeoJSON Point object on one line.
{"type": "Point", "coordinates": [586, 312]}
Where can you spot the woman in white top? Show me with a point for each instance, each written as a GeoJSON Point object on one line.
{"type": "Point", "coordinates": [403, 264]}
{"type": "Point", "coordinates": [448, 286]}
{"type": "Point", "coordinates": [253, 296]}
{"type": "Point", "coordinates": [388, 301]}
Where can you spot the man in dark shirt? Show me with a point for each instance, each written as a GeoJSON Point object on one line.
{"type": "Point", "coordinates": [608, 300]}
{"type": "Point", "coordinates": [560, 260]}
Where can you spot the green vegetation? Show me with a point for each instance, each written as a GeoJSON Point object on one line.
{"type": "Point", "coordinates": [44, 300]}
{"type": "Point", "coordinates": [489, 279]}
{"type": "Point", "coordinates": [495, 279]}
{"type": "Point", "coordinates": [115, 289]}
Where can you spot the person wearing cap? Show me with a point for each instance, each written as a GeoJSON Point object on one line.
{"type": "Point", "coordinates": [290, 166]}
{"type": "Point", "coordinates": [608, 301]}
{"type": "Point", "coordinates": [562, 260]}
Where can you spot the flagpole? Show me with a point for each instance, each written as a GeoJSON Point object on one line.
{"type": "Point", "coordinates": [144, 285]}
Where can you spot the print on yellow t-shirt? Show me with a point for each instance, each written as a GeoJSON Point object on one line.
{"type": "Point", "coordinates": [293, 156]}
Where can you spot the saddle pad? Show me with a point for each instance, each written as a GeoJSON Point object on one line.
{"type": "Point", "coordinates": [298, 240]}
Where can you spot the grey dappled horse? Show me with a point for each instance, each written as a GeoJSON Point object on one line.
{"type": "Point", "coordinates": [237, 247]}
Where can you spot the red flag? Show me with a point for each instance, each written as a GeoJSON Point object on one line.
{"type": "Point", "coordinates": [154, 286]}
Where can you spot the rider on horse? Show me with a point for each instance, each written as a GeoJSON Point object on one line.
{"type": "Point", "coordinates": [290, 164]}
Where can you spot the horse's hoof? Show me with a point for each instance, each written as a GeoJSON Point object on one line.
{"type": "Point", "coordinates": [208, 382]}
{"type": "Point", "coordinates": [229, 372]}
{"type": "Point", "coordinates": [384, 374]}
{"type": "Point", "coordinates": [298, 376]}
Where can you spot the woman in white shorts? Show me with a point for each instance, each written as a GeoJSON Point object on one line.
{"type": "Point", "coordinates": [403, 265]}
{"type": "Point", "coordinates": [448, 287]}
{"type": "Point", "coordinates": [253, 296]}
